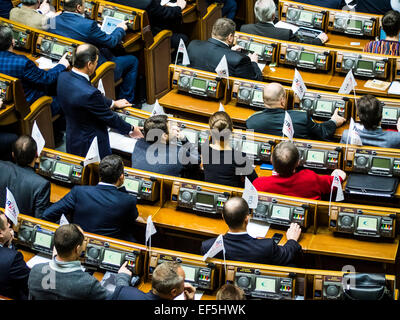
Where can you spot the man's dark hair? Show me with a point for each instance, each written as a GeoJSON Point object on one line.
{"type": "Point", "coordinates": [110, 169]}
{"type": "Point", "coordinates": [369, 110]}
{"type": "Point", "coordinates": [67, 238]}
{"type": "Point", "coordinates": [230, 292]}
{"type": "Point", "coordinates": [159, 122]}
{"type": "Point", "coordinates": [391, 23]}
{"type": "Point", "coordinates": [29, 2]}
{"type": "Point", "coordinates": [284, 158]}
{"type": "Point", "coordinates": [235, 212]}
{"type": "Point", "coordinates": [222, 28]}
{"type": "Point", "coordinates": [70, 5]}
{"type": "Point", "coordinates": [25, 150]}
{"type": "Point", "coordinates": [6, 37]}
{"type": "Point", "coordinates": [83, 54]}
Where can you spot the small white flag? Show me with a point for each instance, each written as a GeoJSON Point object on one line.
{"type": "Point", "coordinates": [287, 128]}
{"type": "Point", "coordinates": [348, 84]}
{"type": "Point", "coordinates": [221, 107]}
{"type": "Point", "coordinates": [63, 220]}
{"type": "Point", "coordinates": [11, 208]}
{"type": "Point", "coordinates": [353, 135]}
{"type": "Point", "coordinates": [93, 154]}
{"type": "Point", "coordinates": [298, 85]}
{"type": "Point", "coordinates": [100, 87]}
{"type": "Point", "coordinates": [157, 110]}
{"type": "Point", "coordinates": [250, 194]}
{"type": "Point", "coordinates": [222, 68]}
{"type": "Point", "coordinates": [336, 183]}
{"type": "Point", "coordinates": [150, 228]}
{"type": "Point", "coordinates": [217, 247]}
{"type": "Point", "coordinates": [182, 48]}
{"type": "Point", "coordinates": [37, 136]}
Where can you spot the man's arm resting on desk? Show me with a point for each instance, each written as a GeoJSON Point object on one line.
{"type": "Point", "coordinates": [63, 206]}
{"type": "Point", "coordinates": [42, 201]}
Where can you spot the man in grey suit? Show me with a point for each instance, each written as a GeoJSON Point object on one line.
{"type": "Point", "coordinates": [31, 191]}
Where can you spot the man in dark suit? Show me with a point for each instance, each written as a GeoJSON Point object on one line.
{"type": "Point", "coordinates": [31, 191]}
{"type": "Point", "coordinates": [105, 209]}
{"type": "Point", "coordinates": [161, 17]}
{"type": "Point", "coordinates": [72, 24]}
{"type": "Point", "coordinates": [206, 55]}
{"type": "Point", "coordinates": [35, 81]}
{"type": "Point", "coordinates": [87, 111]}
{"type": "Point", "coordinates": [331, 4]}
{"type": "Point", "coordinates": [5, 8]}
{"type": "Point", "coordinates": [167, 282]}
{"type": "Point", "coordinates": [270, 120]}
{"type": "Point", "coordinates": [375, 7]}
{"type": "Point", "coordinates": [14, 272]}
{"type": "Point", "coordinates": [240, 246]}
{"type": "Point", "coordinates": [265, 13]}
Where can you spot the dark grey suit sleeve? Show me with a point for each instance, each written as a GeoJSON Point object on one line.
{"type": "Point", "coordinates": [63, 206]}
{"type": "Point", "coordinates": [284, 255]}
{"type": "Point", "coordinates": [42, 201]}
{"type": "Point", "coordinates": [248, 70]}
{"type": "Point", "coordinates": [320, 131]}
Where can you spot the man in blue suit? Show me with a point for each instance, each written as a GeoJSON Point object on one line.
{"type": "Point", "coordinates": [5, 8]}
{"type": "Point", "coordinates": [240, 246]}
{"type": "Point", "coordinates": [35, 81]}
{"type": "Point", "coordinates": [105, 209]}
{"type": "Point", "coordinates": [14, 272]}
{"type": "Point", "coordinates": [72, 24]}
{"type": "Point", "coordinates": [87, 111]}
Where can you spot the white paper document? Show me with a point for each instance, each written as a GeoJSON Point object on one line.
{"type": "Point", "coordinates": [257, 229]}
{"type": "Point", "coordinates": [37, 260]}
{"type": "Point", "coordinates": [394, 88]}
{"type": "Point", "coordinates": [286, 25]}
{"type": "Point", "coordinates": [45, 63]}
{"type": "Point", "coordinates": [121, 142]}
{"type": "Point", "coordinates": [197, 295]}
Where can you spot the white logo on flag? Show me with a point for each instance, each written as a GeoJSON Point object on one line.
{"type": "Point", "coordinates": [348, 84]}
{"type": "Point", "coordinates": [217, 246]}
{"type": "Point", "coordinates": [11, 208]}
{"type": "Point", "coordinates": [287, 128]}
{"type": "Point", "coordinates": [298, 85]}
{"type": "Point", "coordinates": [100, 87]}
{"type": "Point", "coordinates": [250, 194]}
{"type": "Point", "coordinates": [182, 48]}
{"type": "Point", "coordinates": [157, 110]}
{"type": "Point", "coordinates": [150, 228]}
{"type": "Point", "coordinates": [222, 68]}
{"type": "Point", "coordinates": [93, 154]}
{"type": "Point", "coordinates": [354, 137]}
{"type": "Point", "coordinates": [336, 183]}
{"type": "Point", "coordinates": [37, 136]}
{"type": "Point", "coordinates": [63, 220]}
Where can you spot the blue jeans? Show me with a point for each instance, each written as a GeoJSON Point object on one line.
{"type": "Point", "coordinates": [127, 68]}
{"type": "Point", "coordinates": [229, 9]}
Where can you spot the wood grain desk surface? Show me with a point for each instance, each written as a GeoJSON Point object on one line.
{"type": "Point", "coordinates": [344, 41]}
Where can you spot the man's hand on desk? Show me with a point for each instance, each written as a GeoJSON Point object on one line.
{"type": "Point", "coordinates": [64, 60]}
{"type": "Point", "coordinates": [189, 291]}
{"type": "Point", "coordinates": [136, 133]}
{"type": "Point", "coordinates": [293, 233]}
{"type": "Point", "coordinates": [338, 119]}
{"type": "Point", "coordinates": [123, 25]}
{"type": "Point", "coordinates": [236, 48]}
{"type": "Point", "coordinates": [181, 3]}
{"type": "Point", "coordinates": [125, 270]}
{"type": "Point", "coordinates": [253, 57]}
{"type": "Point", "coordinates": [121, 103]}
{"type": "Point", "coordinates": [323, 37]}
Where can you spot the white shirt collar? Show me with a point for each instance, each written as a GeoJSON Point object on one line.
{"type": "Point", "coordinates": [81, 74]}
{"type": "Point", "coordinates": [106, 184]}
{"type": "Point", "coordinates": [238, 233]}
{"type": "Point", "coordinates": [221, 42]}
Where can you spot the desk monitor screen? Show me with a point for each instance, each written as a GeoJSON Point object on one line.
{"type": "Point", "coordinates": [57, 49]}
{"type": "Point", "coordinates": [354, 24]}
{"type": "Point", "coordinates": [307, 57]}
{"type": "Point", "coordinates": [389, 114]}
{"type": "Point", "coordinates": [280, 212]}
{"type": "Point", "coordinates": [250, 147]}
{"type": "Point", "coordinates": [62, 169]}
{"type": "Point", "coordinates": [316, 156]}
{"type": "Point", "coordinates": [205, 199]}
{"type": "Point", "coordinates": [256, 47]}
{"type": "Point", "coordinates": [109, 24]}
{"type": "Point", "coordinates": [190, 273]}
{"type": "Point", "coordinates": [380, 163]}
{"type": "Point", "coordinates": [258, 96]}
{"type": "Point", "coordinates": [190, 135]}
{"type": "Point", "coordinates": [43, 239]}
{"type": "Point", "coordinates": [365, 65]}
{"type": "Point", "coordinates": [118, 15]}
{"type": "Point", "coordinates": [134, 122]}
{"type": "Point", "coordinates": [265, 284]}
{"type": "Point", "coordinates": [306, 16]}
{"type": "Point", "coordinates": [324, 106]}
{"type": "Point", "coordinates": [112, 257]}
{"type": "Point", "coordinates": [367, 223]}
{"type": "Point", "coordinates": [199, 84]}
{"type": "Point", "coordinates": [131, 185]}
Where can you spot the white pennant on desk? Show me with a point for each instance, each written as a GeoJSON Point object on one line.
{"type": "Point", "coordinates": [353, 137]}
{"type": "Point", "coordinates": [287, 128]}
{"type": "Point", "coordinates": [37, 136]}
{"type": "Point", "coordinates": [11, 208]}
{"type": "Point", "coordinates": [298, 85]}
{"type": "Point", "coordinates": [222, 68]}
{"type": "Point", "coordinates": [157, 110]}
{"type": "Point", "coordinates": [150, 230]}
{"type": "Point", "coordinates": [349, 84]}
{"type": "Point", "coordinates": [182, 49]}
{"type": "Point", "coordinates": [216, 248]}
{"type": "Point", "coordinates": [93, 154]}
{"type": "Point", "coordinates": [100, 87]}
{"type": "Point", "coordinates": [63, 220]}
{"type": "Point", "coordinates": [339, 191]}
{"type": "Point", "coordinates": [250, 194]}
{"type": "Point", "coordinates": [221, 107]}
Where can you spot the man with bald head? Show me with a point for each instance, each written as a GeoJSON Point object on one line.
{"type": "Point", "coordinates": [240, 246]}
{"type": "Point", "coordinates": [88, 113]}
{"type": "Point", "coordinates": [270, 120]}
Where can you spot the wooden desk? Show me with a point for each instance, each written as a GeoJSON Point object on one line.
{"type": "Point", "coordinates": [8, 115]}
{"type": "Point", "coordinates": [57, 192]}
{"type": "Point", "coordinates": [342, 41]}
{"type": "Point", "coordinates": [189, 14]}
{"type": "Point", "coordinates": [305, 239]}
